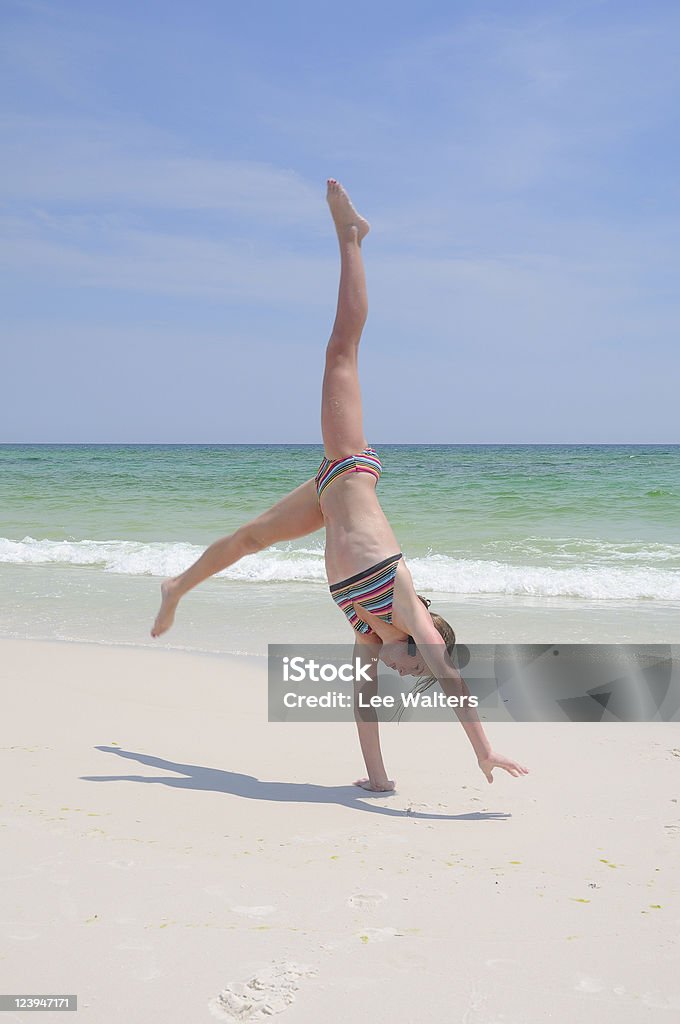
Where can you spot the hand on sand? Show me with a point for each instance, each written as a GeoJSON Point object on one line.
{"type": "Point", "coordinates": [487, 764]}
{"type": "Point", "coordinates": [385, 787]}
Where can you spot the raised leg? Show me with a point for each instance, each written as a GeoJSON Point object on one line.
{"type": "Point", "coordinates": [341, 414]}
{"type": "Point", "coordinates": [294, 516]}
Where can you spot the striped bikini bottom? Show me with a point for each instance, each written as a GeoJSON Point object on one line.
{"type": "Point", "coordinates": [367, 461]}
{"type": "Point", "coordinates": [373, 589]}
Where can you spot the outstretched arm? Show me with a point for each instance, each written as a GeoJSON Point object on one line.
{"type": "Point", "coordinates": [434, 653]}
{"type": "Point", "coordinates": [296, 515]}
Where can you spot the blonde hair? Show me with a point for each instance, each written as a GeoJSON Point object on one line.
{"type": "Point", "coordinates": [445, 630]}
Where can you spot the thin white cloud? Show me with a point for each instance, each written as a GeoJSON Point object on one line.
{"type": "Point", "coordinates": [83, 161]}
{"type": "Point", "coordinates": [507, 103]}
{"type": "Point", "coordinates": [518, 306]}
{"type": "Point", "coordinates": [163, 263]}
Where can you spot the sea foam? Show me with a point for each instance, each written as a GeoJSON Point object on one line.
{"type": "Point", "coordinates": [611, 576]}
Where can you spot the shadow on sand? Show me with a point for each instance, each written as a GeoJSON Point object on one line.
{"type": "Point", "coordinates": [217, 780]}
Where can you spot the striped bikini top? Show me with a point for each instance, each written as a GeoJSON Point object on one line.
{"type": "Point", "coordinates": [366, 461]}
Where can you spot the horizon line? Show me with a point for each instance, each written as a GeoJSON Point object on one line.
{"type": "Point", "coordinates": [319, 444]}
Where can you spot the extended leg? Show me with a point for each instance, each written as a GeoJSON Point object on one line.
{"type": "Point", "coordinates": [294, 516]}
{"type": "Point", "coordinates": [341, 415]}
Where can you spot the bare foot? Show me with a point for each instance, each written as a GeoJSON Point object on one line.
{"type": "Point", "coordinates": [385, 787]}
{"type": "Point", "coordinates": [169, 601]}
{"type": "Point", "coordinates": [345, 216]}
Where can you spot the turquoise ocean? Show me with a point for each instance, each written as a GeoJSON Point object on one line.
{"type": "Point", "coordinates": [513, 543]}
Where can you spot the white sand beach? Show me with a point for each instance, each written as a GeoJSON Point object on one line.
{"type": "Point", "coordinates": [169, 856]}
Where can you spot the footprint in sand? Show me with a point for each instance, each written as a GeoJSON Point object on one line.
{"type": "Point", "coordinates": [253, 911]}
{"type": "Point", "coordinates": [587, 984]}
{"type": "Point", "coordinates": [658, 1001]}
{"type": "Point", "coordinates": [270, 991]}
{"type": "Point", "coordinates": [362, 900]}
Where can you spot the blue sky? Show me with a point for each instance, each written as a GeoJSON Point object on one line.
{"type": "Point", "coordinates": [168, 263]}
